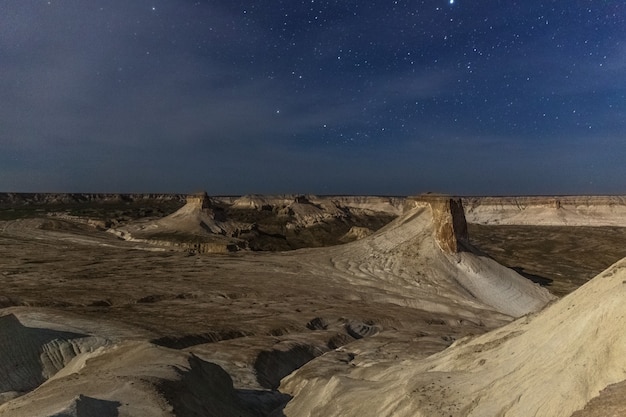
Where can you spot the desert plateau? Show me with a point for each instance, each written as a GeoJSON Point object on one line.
{"type": "Point", "coordinates": [172, 305]}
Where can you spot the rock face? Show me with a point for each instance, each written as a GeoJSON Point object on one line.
{"type": "Point", "coordinates": [199, 201]}
{"type": "Point", "coordinates": [31, 356]}
{"type": "Point", "coordinates": [449, 221]}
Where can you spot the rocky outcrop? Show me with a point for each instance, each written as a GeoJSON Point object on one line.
{"type": "Point", "coordinates": [356, 233]}
{"type": "Point", "coordinates": [199, 201]}
{"type": "Point", "coordinates": [195, 227]}
{"type": "Point", "coordinates": [448, 221]}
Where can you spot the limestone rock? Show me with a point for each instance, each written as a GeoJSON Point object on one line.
{"type": "Point", "coordinates": [449, 221]}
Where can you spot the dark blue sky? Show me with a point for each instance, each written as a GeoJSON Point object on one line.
{"type": "Point", "coordinates": [327, 97]}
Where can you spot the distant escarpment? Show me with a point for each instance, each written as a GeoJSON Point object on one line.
{"type": "Point", "coordinates": [547, 210]}
{"type": "Point", "coordinates": [29, 199]}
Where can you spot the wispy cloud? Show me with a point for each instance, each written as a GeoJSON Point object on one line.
{"type": "Point", "coordinates": [121, 96]}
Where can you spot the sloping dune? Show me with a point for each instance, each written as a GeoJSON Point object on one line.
{"type": "Point", "coordinates": [550, 364]}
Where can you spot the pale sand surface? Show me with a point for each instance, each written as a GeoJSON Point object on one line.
{"type": "Point", "coordinates": [548, 364]}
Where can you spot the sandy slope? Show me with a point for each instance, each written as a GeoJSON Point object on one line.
{"type": "Point", "coordinates": [549, 364]}
{"type": "Point", "coordinates": [189, 220]}
{"type": "Point", "coordinates": [403, 256]}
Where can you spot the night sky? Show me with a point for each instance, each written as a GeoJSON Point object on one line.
{"type": "Point", "coordinates": [324, 97]}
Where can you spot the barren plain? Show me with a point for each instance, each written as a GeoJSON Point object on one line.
{"type": "Point", "coordinates": [120, 305]}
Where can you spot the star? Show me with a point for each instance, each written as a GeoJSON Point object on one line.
{"type": "Point", "coordinates": [312, 63]}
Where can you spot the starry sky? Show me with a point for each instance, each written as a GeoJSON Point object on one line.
{"type": "Point", "coordinates": [392, 97]}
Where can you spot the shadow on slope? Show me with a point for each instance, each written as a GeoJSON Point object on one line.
{"type": "Point", "coordinates": [537, 279]}
{"type": "Point", "coordinates": [185, 341]}
{"type": "Point", "coordinates": [272, 366]}
{"type": "Point", "coordinates": [85, 406]}
{"type": "Point", "coordinates": [205, 389]}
